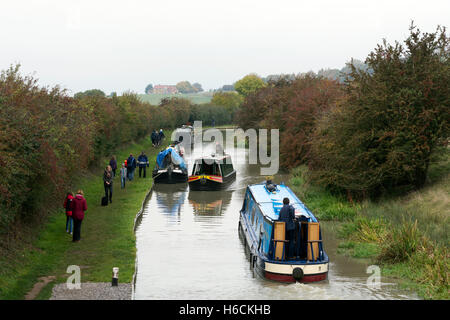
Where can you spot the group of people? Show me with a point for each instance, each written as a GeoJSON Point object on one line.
{"type": "Point", "coordinates": [75, 206]}
{"type": "Point", "coordinates": [126, 172]}
{"type": "Point", "coordinates": [157, 137]}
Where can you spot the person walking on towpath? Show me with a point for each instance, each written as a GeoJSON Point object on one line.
{"type": "Point", "coordinates": [131, 166]}
{"type": "Point", "coordinates": [154, 138]}
{"type": "Point", "coordinates": [113, 164]}
{"type": "Point", "coordinates": [142, 163]}
{"type": "Point", "coordinates": [161, 136]}
{"type": "Point", "coordinates": [287, 215]}
{"type": "Point", "coordinates": [79, 207]}
{"type": "Point", "coordinates": [68, 207]}
{"type": "Point", "coordinates": [108, 183]}
{"type": "Point", "coordinates": [123, 175]}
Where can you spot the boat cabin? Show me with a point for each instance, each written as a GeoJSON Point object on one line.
{"type": "Point", "coordinates": [211, 173]}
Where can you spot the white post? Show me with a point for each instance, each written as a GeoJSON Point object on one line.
{"type": "Point", "coordinates": [115, 277]}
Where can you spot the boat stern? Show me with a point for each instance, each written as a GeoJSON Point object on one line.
{"type": "Point", "coordinates": [304, 272]}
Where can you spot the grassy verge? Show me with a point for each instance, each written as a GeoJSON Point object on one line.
{"type": "Point", "coordinates": [107, 235]}
{"type": "Point", "coordinates": [408, 236]}
{"type": "Point", "coordinates": [324, 204]}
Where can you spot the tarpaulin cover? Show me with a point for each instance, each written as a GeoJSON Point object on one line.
{"type": "Point", "coordinates": [175, 157]}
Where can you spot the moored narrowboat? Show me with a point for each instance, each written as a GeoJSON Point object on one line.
{"type": "Point", "coordinates": [170, 167]}
{"type": "Point", "coordinates": [265, 236]}
{"type": "Point", "coordinates": [186, 133]}
{"type": "Point", "coordinates": [212, 173]}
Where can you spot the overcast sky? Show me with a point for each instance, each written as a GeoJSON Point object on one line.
{"type": "Point", "coordinates": [124, 45]}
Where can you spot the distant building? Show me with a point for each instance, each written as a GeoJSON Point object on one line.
{"type": "Point", "coordinates": [164, 89]}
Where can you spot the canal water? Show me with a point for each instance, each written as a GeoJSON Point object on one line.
{"type": "Point", "coordinates": [188, 247]}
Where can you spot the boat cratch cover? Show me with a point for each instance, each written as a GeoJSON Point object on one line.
{"type": "Point", "coordinates": [176, 158]}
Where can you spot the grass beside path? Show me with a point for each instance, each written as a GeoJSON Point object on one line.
{"type": "Point", "coordinates": [107, 236]}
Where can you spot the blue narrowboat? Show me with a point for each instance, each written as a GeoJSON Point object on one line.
{"type": "Point", "coordinates": [265, 236]}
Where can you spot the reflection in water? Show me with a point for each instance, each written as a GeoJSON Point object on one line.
{"type": "Point", "coordinates": [211, 203]}
{"type": "Point", "coordinates": [170, 197]}
{"type": "Point", "coordinates": [188, 247]}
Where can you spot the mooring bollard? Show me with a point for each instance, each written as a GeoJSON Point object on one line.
{"type": "Point", "coordinates": [115, 277]}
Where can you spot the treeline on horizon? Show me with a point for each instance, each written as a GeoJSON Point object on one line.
{"type": "Point", "coordinates": [48, 138]}
{"type": "Point", "coordinates": [371, 134]}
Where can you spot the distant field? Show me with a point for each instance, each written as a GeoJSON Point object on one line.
{"type": "Point", "coordinates": [196, 98]}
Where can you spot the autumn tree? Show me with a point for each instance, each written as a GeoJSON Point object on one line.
{"type": "Point", "coordinates": [230, 100]}
{"type": "Point", "coordinates": [90, 93]}
{"type": "Point", "coordinates": [291, 105]}
{"type": "Point", "coordinates": [395, 116]}
{"type": "Point", "coordinates": [185, 87]}
{"type": "Point", "coordinates": [149, 88]}
{"type": "Point", "coordinates": [249, 84]}
{"type": "Point", "coordinates": [197, 86]}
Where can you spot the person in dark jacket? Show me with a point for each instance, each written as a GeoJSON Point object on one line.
{"type": "Point", "coordinates": [142, 163]}
{"type": "Point", "coordinates": [131, 165]}
{"type": "Point", "coordinates": [113, 164]}
{"type": "Point", "coordinates": [68, 207]}
{"type": "Point", "coordinates": [79, 206]}
{"type": "Point", "coordinates": [154, 138]}
{"type": "Point", "coordinates": [287, 215]}
{"type": "Point", "coordinates": [108, 183]}
{"type": "Point", "coordinates": [161, 136]}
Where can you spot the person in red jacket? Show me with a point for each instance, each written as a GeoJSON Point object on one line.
{"type": "Point", "coordinates": [68, 207]}
{"type": "Point", "coordinates": [79, 206]}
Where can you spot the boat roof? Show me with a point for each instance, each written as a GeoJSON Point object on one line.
{"type": "Point", "coordinates": [211, 157]}
{"type": "Point", "coordinates": [271, 202]}
{"type": "Point", "coordinates": [184, 129]}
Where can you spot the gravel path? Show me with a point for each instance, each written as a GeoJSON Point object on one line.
{"type": "Point", "coordinates": [92, 291]}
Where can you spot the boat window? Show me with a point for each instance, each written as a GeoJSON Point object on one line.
{"type": "Point", "coordinates": [252, 217]}
{"type": "Point", "coordinates": [207, 169]}
{"type": "Point", "coordinates": [198, 169]}
{"type": "Point", "coordinates": [216, 169]}
{"type": "Point", "coordinates": [227, 168]}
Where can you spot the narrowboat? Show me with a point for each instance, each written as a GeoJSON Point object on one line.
{"type": "Point", "coordinates": [212, 173]}
{"type": "Point", "coordinates": [186, 133]}
{"type": "Point", "coordinates": [170, 167]}
{"type": "Point", "coordinates": [264, 236]}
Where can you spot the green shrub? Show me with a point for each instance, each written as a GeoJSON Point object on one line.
{"type": "Point", "coordinates": [363, 229]}
{"type": "Point", "coordinates": [400, 244]}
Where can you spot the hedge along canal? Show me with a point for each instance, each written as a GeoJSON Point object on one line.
{"type": "Point", "coordinates": [107, 233]}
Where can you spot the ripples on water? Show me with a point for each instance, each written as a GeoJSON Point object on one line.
{"type": "Point", "coordinates": [188, 247]}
